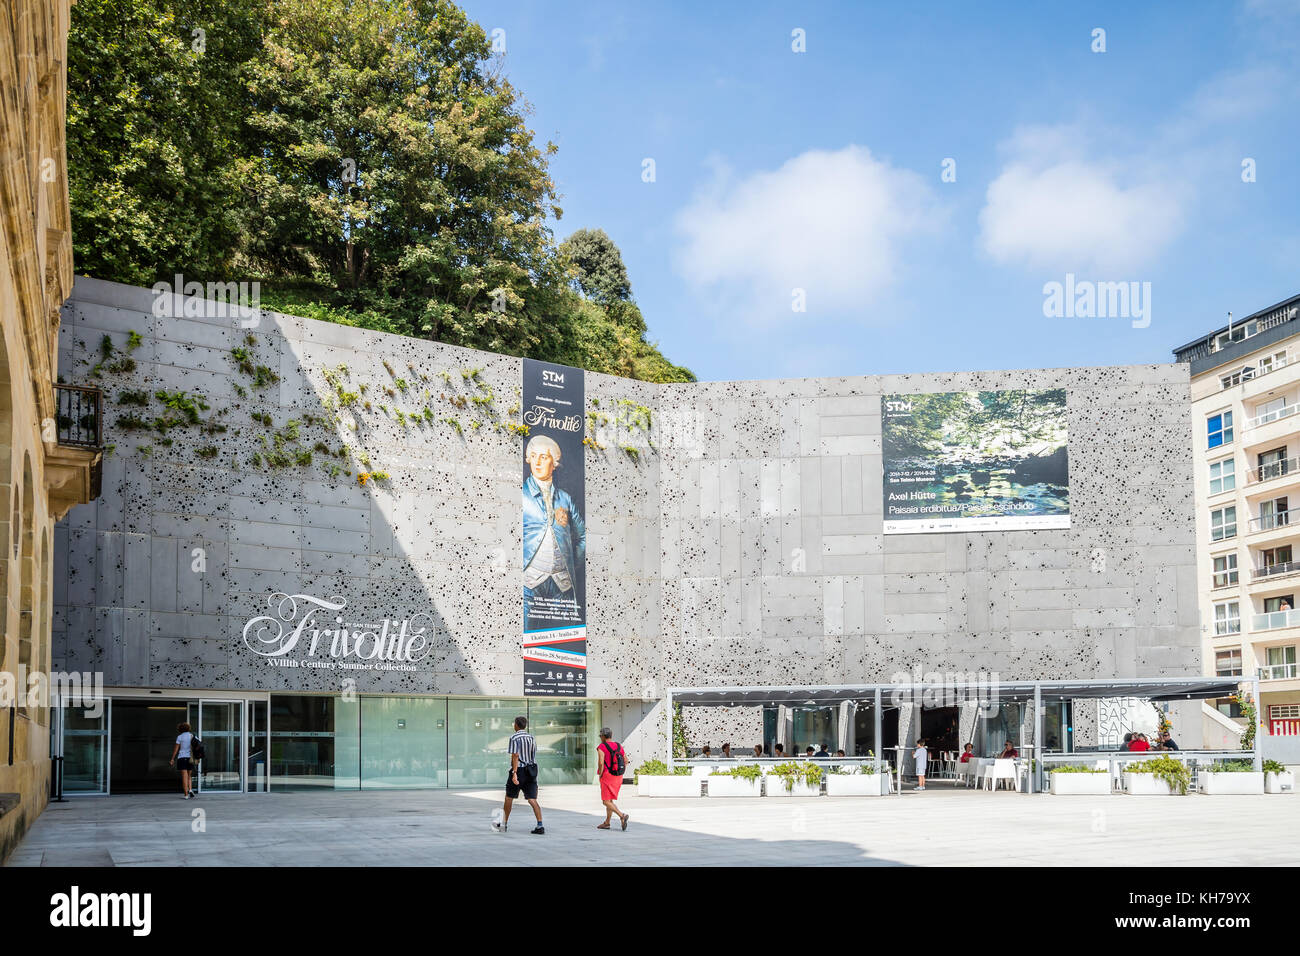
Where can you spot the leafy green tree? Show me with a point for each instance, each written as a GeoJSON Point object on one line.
{"type": "Point", "coordinates": [599, 273]}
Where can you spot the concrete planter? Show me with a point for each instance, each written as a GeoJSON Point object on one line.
{"type": "Point", "coordinates": [1082, 784]}
{"type": "Point", "coordinates": [855, 784]}
{"type": "Point", "coordinates": [776, 788]}
{"type": "Point", "coordinates": [727, 786]}
{"type": "Point", "coordinates": [1279, 782]}
{"type": "Point", "coordinates": [1235, 782]}
{"type": "Point", "coordinates": [673, 786]}
{"type": "Point", "coordinates": [1147, 785]}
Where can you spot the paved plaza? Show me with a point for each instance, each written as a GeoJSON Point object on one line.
{"type": "Point", "coordinates": [943, 826]}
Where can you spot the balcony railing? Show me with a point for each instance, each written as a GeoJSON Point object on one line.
{"type": "Point", "coordinates": [1281, 570]}
{"type": "Point", "coordinates": [1277, 672]}
{"type": "Point", "coordinates": [1274, 469]}
{"type": "Point", "coordinates": [1286, 411]}
{"type": "Point", "coordinates": [1280, 519]}
{"type": "Point", "coordinates": [1275, 620]}
{"type": "Point", "coordinates": [1248, 373]}
{"type": "Point", "coordinates": [79, 415]}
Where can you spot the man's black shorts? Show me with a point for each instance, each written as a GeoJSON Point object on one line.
{"type": "Point", "coordinates": [527, 777]}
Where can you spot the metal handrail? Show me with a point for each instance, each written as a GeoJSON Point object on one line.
{"type": "Point", "coordinates": [1276, 570]}
{"type": "Point", "coordinates": [79, 416]}
{"type": "Point", "coordinates": [1278, 519]}
{"type": "Point", "coordinates": [1277, 672]}
{"type": "Point", "coordinates": [1274, 469]}
{"type": "Point", "coordinates": [1286, 411]}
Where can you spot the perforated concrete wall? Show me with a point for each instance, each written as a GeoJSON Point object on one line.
{"type": "Point", "coordinates": [741, 544]}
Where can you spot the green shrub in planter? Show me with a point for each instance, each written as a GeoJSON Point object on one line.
{"type": "Point", "coordinates": [1274, 766]}
{"type": "Point", "coordinates": [1177, 775]}
{"type": "Point", "coordinates": [657, 768]}
{"type": "Point", "coordinates": [750, 771]}
{"type": "Point", "coordinates": [849, 769]}
{"type": "Point", "coordinates": [1076, 768]}
{"type": "Point", "coordinates": [1229, 766]}
{"type": "Point", "coordinates": [789, 772]}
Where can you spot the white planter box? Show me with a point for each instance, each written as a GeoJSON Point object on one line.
{"type": "Point", "coordinates": [1076, 784]}
{"type": "Point", "coordinates": [776, 788]}
{"type": "Point", "coordinates": [1235, 782]}
{"type": "Point", "coordinates": [1279, 782]}
{"type": "Point", "coordinates": [855, 784]}
{"type": "Point", "coordinates": [674, 786]}
{"type": "Point", "coordinates": [1147, 785]}
{"type": "Point", "coordinates": [728, 786]}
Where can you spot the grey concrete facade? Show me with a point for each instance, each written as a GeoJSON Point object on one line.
{"type": "Point", "coordinates": [741, 544]}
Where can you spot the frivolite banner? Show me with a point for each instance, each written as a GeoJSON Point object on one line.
{"type": "Point", "coordinates": [975, 461]}
{"type": "Point", "coordinates": [555, 533]}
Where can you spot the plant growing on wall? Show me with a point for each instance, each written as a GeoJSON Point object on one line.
{"type": "Point", "coordinates": [1248, 711]}
{"type": "Point", "coordinates": [679, 733]}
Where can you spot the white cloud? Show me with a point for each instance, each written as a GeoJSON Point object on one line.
{"type": "Point", "coordinates": [1071, 214]}
{"type": "Point", "coordinates": [833, 223]}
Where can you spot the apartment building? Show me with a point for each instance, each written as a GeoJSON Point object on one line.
{"type": "Point", "coordinates": [1245, 398]}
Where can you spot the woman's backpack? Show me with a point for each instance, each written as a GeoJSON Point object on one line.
{"type": "Point", "coordinates": [616, 762]}
{"type": "Point", "coordinates": [196, 748]}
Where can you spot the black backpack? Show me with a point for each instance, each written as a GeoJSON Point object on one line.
{"type": "Point", "coordinates": [615, 763]}
{"type": "Point", "coordinates": [196, 749]}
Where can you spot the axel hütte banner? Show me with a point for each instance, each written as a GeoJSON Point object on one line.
{"type": "Point", "coordinates": [555, 532]}
{"type": "Point", "coordinates": [975, 461]}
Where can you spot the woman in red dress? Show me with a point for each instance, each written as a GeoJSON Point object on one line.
{"type": "Point", "coordinates": [611, 780]}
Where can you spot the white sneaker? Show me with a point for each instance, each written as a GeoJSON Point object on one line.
{"type": "Point", "coordinates": [918, 788]}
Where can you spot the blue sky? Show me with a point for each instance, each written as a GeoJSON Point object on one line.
{"type": "Point", "coordinates": [820, 171]}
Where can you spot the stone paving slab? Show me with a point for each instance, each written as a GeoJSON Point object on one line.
{"type": "Point", "coordinates": [942, 826]}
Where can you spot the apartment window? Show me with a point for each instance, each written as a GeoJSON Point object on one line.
{"type": "Point", "coordinates": [1279, 558]}
{"type": "Point", "coordinates": [1223, 476]}
{"type": "Point", "coordinates": [1284, 711]}
{"type": "Point", "coordinates": [1272, 463]}
{"type": "Point", "coordinates": [1225, 570]}
{"type": "Point", "coordinates": [1220, 429]}
{"type": "Point", "coordinates": [1227, 663]}
{"type": "Point", "coordinates": [1227, 618]}
{"type": "Point", "coordinates": [1227, 705]}
{"type": "Point", "coordinates": [1270, 362]}
{"type": "Point", "coordinates": [1283, 602]}
{"type": "Point", "coordinates": [1232, 381]}
{"type": "Point", "coordinates": [1273, 514]}
{"type": "Point", "coordinates": [1243, 331]}
{"type": "Point", "coordinates": [1271, 410]}
{"type": "Point", "coordinates": [1280, 656]}
{"type": "Point", "coordinates": [1223, 523]}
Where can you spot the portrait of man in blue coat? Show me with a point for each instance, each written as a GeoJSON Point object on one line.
{"type": "Point", "coordinates": [555, 544]}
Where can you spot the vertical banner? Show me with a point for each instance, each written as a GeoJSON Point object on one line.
{"type": "Point", "coordinates": [555, 532]}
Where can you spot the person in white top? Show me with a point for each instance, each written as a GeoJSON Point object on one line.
{"type": "Point", "coordinates": [922, 757]}
{"type": "Point", "coordinates": [183, 758]}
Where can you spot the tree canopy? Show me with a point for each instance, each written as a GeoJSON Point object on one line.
{"type": "Point", "coordinates": [363, 159]}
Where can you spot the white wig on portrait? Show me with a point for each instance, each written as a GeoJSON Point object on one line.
{"type": "Point", "coordinates": [542, 443]}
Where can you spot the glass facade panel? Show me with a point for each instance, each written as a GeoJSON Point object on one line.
{"type": "Point", "coordinates": [314, 743]}
{"type": "Point", "coordinates": [221, 728]}
{"type": "Point", "coordinates": [259, 745]}
{"type": "Point", "coordinates": [403, 742]}
{"type": "Point", "coordinates": [566, 733]}
{"type": "Point", "coordinates": [478, 732]}
{"type": "Point", "coordinates": [85, 750]}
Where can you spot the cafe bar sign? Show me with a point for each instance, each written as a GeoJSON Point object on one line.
{"type": "Point", "coordinates": [307, 631]}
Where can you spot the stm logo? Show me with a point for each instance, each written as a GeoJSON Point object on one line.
{"type": "Point", "coordinates": [898, 406]}
{"type": "Point", "coordinates": [552, 378]}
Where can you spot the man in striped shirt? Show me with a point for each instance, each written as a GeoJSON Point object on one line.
{"type": "Point", "coordinates": [523, 773]}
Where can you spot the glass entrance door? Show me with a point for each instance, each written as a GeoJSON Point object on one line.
{"type": "Point", "coordinates": [221, 728]}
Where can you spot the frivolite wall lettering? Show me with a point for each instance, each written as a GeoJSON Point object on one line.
{"type": "Point", "coordinates": [554, 532]}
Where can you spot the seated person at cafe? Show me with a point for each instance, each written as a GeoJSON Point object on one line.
{"type": "Point", "coordinates": [823, 752]}
{"type": "Point", "coordinates": [1167, 742]}
{"type": "Point", "coordinates": [706, 752]}
{"type": "Point", "coordinates": [839, 753]}
{"type": "Point", "coordinates": [780, 751]}
{"type": "Point", "coordinates": [967, 753]}
{"type": "Point", "coordinates": [726, 751]}
{"type": "Point", "coordinates": [1009, 751]}
{"type": "Point", "coordinates": [1138, 743]}
{"type": "Point", "coordinates": [809, 752]}
{"type": "Point", "coordinates": [758, 750]}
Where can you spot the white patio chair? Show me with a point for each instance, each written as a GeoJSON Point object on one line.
{"type": "Point", "coordinates": [1001, 770]}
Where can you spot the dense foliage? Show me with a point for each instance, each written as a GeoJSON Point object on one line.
{"type": "Point", "coordinates": [363, 159]}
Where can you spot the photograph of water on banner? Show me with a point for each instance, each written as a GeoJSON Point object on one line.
{"type": "Point", "coordinates": [975, 461]}
{"type": "Point", "coordinates": [554, 532]}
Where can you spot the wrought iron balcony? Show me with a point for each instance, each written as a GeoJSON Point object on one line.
{"type": "Point", "coordinates": [79, 415]}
